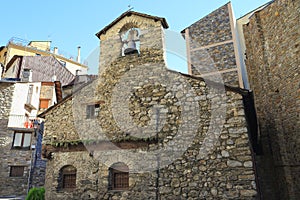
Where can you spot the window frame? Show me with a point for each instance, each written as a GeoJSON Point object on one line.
{"type": "Point", "coordinates": [119, 177]}
{"type": "Point", "coordinates": [92, 111]}
{"type": "Point", "coordinates": [68, 176]}
{"type": "Point", "coordinates": [13, 171]}
{"type": "Point", "coordinates": [22, 140]}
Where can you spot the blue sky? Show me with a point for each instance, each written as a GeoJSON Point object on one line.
{"type": "Point", "coordinates": [69, 24]}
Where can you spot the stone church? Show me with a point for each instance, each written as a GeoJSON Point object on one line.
{"type": "Point", "coordinates": [143, 131]}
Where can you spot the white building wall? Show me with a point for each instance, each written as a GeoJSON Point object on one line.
{"type": "Point", "coordinates": [72, 68]}
{"type": "Point", "coordinates": [18, 112]}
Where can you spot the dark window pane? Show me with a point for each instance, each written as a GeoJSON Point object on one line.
{"type": "Point", "coordinates": [16, 171]}
{"type": "Point", "coordinates": [69, 181]}
{"type": "Point", "coordinates": [121, 180]}
{"type": "Point", "coordinates": [68, 177]}
{"type": "Point", "coordinates": [119, 177]}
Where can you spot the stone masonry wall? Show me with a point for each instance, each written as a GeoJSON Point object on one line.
{"type": "Point", "coordinates": [272, 48]}
{"type": "Point", "coordinates": [6, 90]}
{"type": "Point", "coordinates": [150, 37]}
{"type": "Point", "coordinates": [10, 157]}
{"type": "Point", "coordinates": [215, 27]}
{"type": "Point", "coordinates": [180, 136]}
{"type": "Point", "coordinates": [211, 46]}
{"type": "Point", "coordinates": [38, 171]}
{"type": "Point", "coordinates": [224, 171]}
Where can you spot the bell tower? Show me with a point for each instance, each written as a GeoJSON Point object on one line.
{"type": "Point", "coordinates": [132, 34]}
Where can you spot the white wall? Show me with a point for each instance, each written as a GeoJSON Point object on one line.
{"type": "Point", "coordinates": [18, 111]}
{"type": "Point", "coordinates": [72, 68]}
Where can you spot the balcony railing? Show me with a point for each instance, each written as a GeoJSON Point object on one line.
{"type": "Point", "coordinates": [21, 121]}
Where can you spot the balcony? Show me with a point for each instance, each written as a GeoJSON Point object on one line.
{"type": "Point", "coordinates": [21, 121]}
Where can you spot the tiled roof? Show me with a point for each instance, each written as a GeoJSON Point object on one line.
{"type": "Point", "coordinates": [44, 68]}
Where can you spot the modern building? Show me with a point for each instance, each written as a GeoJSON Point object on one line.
{"type": "Point", "coordinates": [21, 47]}
{"type": "Point", "coordinates": [213, 47]}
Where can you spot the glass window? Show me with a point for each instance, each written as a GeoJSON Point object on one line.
{"type": "Point", "coordinates": [22, 140]}
{"type": "Point", "coordinates": [92, 111]}
{"type": "Point", "coordinates": [18, 139]}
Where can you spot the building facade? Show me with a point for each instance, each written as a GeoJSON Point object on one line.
{"type": "Point", "coordinates": [19, 136]}
{"type": "Point", "coordinates": [271, 35]}
{"type": "Point", "coordinates": [38, 69]}
{"type": "Point", "coordinates": [142, 131]}
{"type": "Point", "coordinates": [213, 47]}
{"type": "Point", "coordinates": [20, 47]}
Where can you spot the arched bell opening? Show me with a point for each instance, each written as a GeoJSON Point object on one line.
{"type": "Point", "coordinates": [130, 37]}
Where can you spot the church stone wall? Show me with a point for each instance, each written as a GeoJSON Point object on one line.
{"type": "Point", "coordinates": [151, 34]}
{"type": "Point", "coordinates": [181, 137]}
{"type": "Point", "coordinates": [223, 171]}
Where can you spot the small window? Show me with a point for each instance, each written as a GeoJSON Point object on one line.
{"type": "Point", "coordinates": [68, 177]}
{"type": "Point", "coordinates": [29, 95]}
{"type": "Point", "coordinates": [16, 171]}
{"type": "Point", "coordinates": [92, 111]}
{"type": "Point", "coordinates": [44, 103]}
{"type": "Point", "coordinates": [119, 177]}
{"type": "Point", "coordinates": [22, 140]}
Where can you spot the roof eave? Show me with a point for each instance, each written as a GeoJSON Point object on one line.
{"type": "Point", "coordinates": [129, 13]}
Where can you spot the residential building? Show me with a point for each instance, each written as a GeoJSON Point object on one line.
{"type": "Point", "coordinates": [76, 83]}
{"type": "Point", "coordinates": [20, 104]}
{"type": "Point", "coordinates": [38, 69]}
{"type": "Point", "coordinates": [21, 47]}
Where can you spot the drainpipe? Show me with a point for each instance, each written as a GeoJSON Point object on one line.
{"type": "Point", "coordinates": [32, 161]}
{"type": "Point", "coordinates": [157, 156]}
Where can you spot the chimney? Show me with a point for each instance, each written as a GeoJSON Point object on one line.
{"type": "Point", "coordinates": [78, 54]}
{"type": "Point", "coordinates": [27, 75]}
{"type": "Point", "coordinates": [55, 51]}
